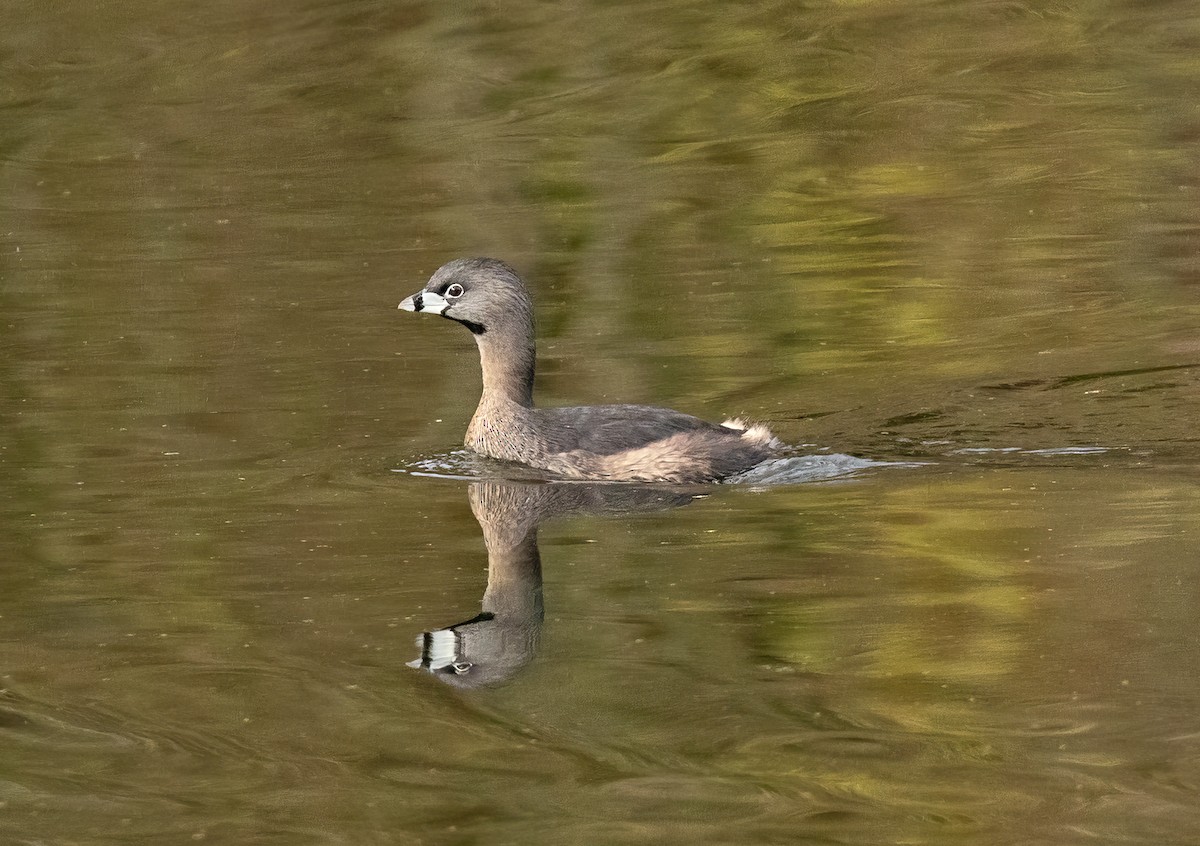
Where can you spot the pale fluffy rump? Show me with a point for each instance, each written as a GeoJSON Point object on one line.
{"type": "Point", "coordinates": [756, 434]}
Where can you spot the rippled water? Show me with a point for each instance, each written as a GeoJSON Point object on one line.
{"type": "Point", "coordinates": [950, 252]}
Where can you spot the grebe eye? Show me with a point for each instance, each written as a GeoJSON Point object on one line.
{"type": "Point", "coordinates": [454, 292]}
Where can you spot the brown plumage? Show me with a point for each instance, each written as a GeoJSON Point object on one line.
{"type": "Point", "coordinates": [601, 442]}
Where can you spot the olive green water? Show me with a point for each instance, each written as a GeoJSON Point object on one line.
{"type": "Point", "coordinates": [960, 237]}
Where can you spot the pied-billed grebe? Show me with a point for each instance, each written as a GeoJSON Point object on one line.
{"type": "Point", "coordinates": [629, 443]}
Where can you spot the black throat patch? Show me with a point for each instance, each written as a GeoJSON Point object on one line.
{"type": "Point", "coordinates": [476, 328]}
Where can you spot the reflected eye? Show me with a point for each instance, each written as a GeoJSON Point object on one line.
{"type": "Point", "coordinates": [454, 292]}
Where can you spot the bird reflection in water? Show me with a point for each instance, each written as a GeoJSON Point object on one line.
{"type": "Point", "coordinates": [496, 643]}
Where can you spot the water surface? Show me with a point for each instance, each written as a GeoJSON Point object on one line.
{"type": "Point", "coordinates": [949, 251]}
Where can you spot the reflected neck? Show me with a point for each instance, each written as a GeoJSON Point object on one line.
{"type": "Point", "coordinates": [514, 588]}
